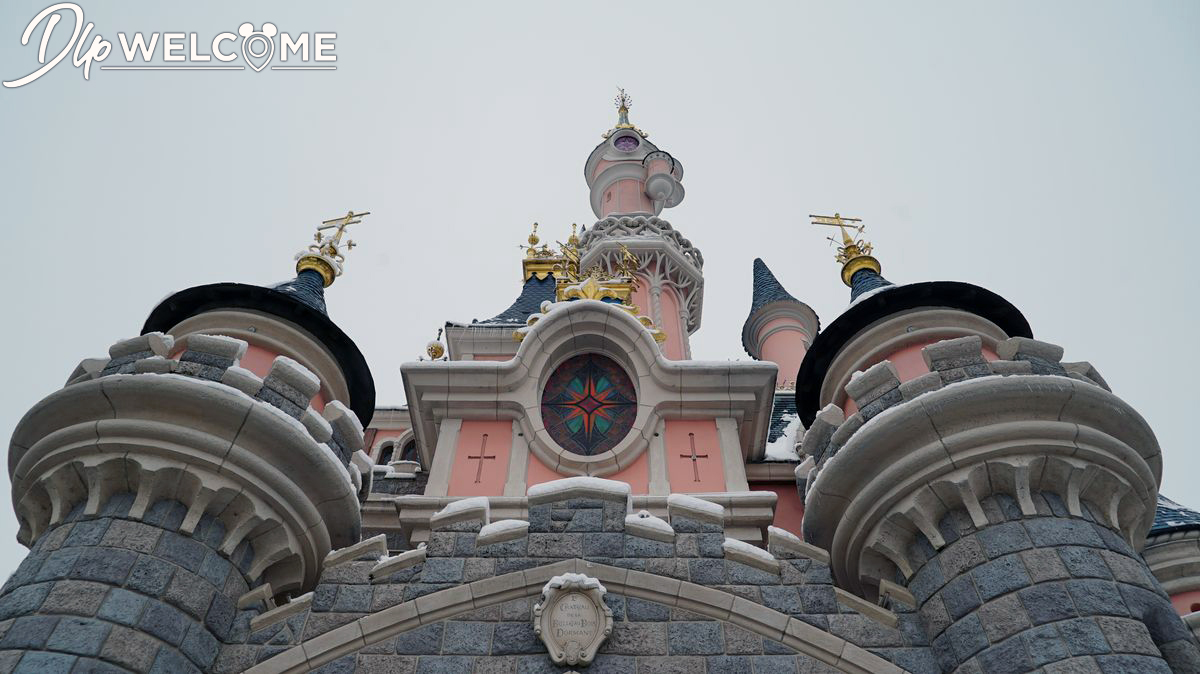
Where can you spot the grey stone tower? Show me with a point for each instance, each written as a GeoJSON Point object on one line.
{"type": "Point", "coordinates": [206, 466]}
{"type": "Point", "coordinates": [961, 465]}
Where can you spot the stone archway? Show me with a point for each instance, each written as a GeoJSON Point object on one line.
{"type": "Point", "coordinates": [445, 604]}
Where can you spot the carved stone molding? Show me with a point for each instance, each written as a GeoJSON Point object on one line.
{"type": "Point", "coordinates": [664, 255]}
{"type": "Point", "coordinates": [901, 471]}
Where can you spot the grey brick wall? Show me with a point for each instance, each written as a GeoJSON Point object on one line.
{"type": "Point", "coordinates": [112, 594]}
{"type": "Point", "coordinates": [647, 637]}
{"type": "Point", "coordinates": [1053, 592]}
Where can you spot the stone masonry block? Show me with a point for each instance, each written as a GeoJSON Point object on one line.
{"type": "Point", "coordinates": [1002, 539]}
{"type": "Point", "coordinates": [1083, 636]}
{"type": "Point", "coordinates": [165, 622]}
{"type": "Point", "coordinates": [1044, 564]}
{"type": "Point", "coordinates": [122, 606]}
{"type": "Point", "coordinates": [1000, 576]}
{"type": "Point", "coordinates": [960, 597]}
{"type": "Point", "coordinates": [1013, 347]}
{"type": "Point", "coordinates": [923, 384]}
{"type": "Point", "coordinates": [644, 639]}
{"type": "Point", "coordinates": [1003, 617]}
{"type": "Point", "coordinates": [131, 536]}
{"type": "Point", "coordinates": [467, 638]}
{"type": "Point", "coordinates": [104, 565]}
{"type": "Point", "coordinates": [1009, 657]}
{"type": "Point", "coordinates": [950, 354]}
{"type": "Point", "coordinates": [1084, 562]}
{"type": "Point", "coordinates": [129, 648]}
{"type": "Point", "coordinates": [514, 638]}
{"type": "Point", "coordinates": [81, 636]}
{"type": "Point", "coordinates": [1047, 602]}
{"type": "Point", "coordinates": [29, 631]}
{"type": "Point", "coordinates": [75, 597]}
{"type": "Point", "coordinates": [695, 638]}
{"type": "Point", "coordinates": [868, 386]}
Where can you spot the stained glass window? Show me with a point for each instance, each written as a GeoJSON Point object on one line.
{"type": "Point", "coordinates": [589, 404]}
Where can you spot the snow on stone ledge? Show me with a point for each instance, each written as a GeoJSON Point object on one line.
{"type": "Point", "coordinates": [501, 531]}
{"type": "Point", "coordinates": [462, 510]}
{"type": "Point", "coordinates": [574, 581]}
{"type": "Point", "coordinates": [578, 487]}
{"type": "Point", "coordinates": [695, 508]}
{"type": "Point", "coordinates": [750, 555]}
{"type": "Point", "coordinates": [783, 448]}
{"type": "Point", "coordinates": [645, 525]}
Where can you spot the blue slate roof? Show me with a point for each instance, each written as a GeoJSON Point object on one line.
{"type": "Point", "coordinates": [866, 280]}
{"type": "Point", "coordinates": [308, 287]}
{"type": "Point", "coordinates": [767, 288]}
{"type": "Point", "coordinates": [783, 411]}
{"type": "Point", "coordinates": [1170, 516]}
{"type": "Point", "coordinates": [533, 293]}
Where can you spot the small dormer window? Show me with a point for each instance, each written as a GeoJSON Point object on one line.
{"type": "Point", "coordinates": [626, 143]}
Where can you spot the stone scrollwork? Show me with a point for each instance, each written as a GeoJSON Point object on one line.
{"type": "Point", "coordinates": [572, 619]}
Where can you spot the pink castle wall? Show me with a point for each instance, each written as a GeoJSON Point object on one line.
{"type": "Point", "coordinates": [636, 474]}
{"type": "Point", "coordinates": [680, 471]}
{"type": "Point", "coordinates": [789, 509]}
{"type": "Point", "coordinates": [464, 470]}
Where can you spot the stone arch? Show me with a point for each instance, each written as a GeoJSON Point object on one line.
{"type": "Point", "coordinates": [444, 604]}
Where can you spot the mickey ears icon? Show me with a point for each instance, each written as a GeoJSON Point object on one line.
{"type": "Point", "coordinates": [247, 29]}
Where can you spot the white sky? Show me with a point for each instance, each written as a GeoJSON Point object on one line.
{"type": "Point", "coordinates": [1047, 151]}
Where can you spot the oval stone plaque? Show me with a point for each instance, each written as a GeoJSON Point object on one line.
{"type": "Point", "coordinates": [572, 618]}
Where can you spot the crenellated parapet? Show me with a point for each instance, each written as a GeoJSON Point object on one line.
{"type": "Point", "coordinates": [199, 430]}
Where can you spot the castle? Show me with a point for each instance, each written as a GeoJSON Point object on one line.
{"type": "Point", "coordinates": [920, 485]}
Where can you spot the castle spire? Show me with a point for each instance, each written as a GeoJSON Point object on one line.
{"type": "Point", "coordinates": [779, 327]}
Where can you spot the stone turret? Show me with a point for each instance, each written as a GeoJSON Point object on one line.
{"type": "Point", "coordinates": [166, 483]}
{"type": "Point", "coordinates": [1008, 491]}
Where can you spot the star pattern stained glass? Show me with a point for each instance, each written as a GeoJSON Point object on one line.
{"type": "Point", "coordinates": [589, 404]}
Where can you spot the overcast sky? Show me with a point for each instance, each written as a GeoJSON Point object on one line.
{"type": "Point", "coordinates": [1047, 151]}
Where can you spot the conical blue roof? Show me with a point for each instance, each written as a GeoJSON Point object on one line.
{"type": "Point", "coordinates": [1170, 516]}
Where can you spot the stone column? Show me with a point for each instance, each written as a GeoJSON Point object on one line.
{"type": "Point", "coordinates": [155, 492]}
{"type": "Point", "coordinates": [1011, 506]}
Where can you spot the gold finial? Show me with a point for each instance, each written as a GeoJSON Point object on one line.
{"type": "Point", "coordinates": [326, 256]}
{"type": "Point", "coordinates": [853, 252]}
{"type": "Point", "coordinates": [624, 101]}
{"type": "Point", "coordinates": [434, 348]}
{"type": "Point", "coordinates": [533, 237]}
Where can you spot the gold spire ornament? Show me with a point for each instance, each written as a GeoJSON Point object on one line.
{"type": "Point", "coordinates": [327, 255]}
{"type": "Point", "coordinates": [435, 348]}
{"type": "Point", "coordinates": [853, 251]}
{"type": "Point", "coordinates": [624, 101]}
{"type": "Point", "coordinates": [539, 262]}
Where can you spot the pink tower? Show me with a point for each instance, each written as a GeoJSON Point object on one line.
{"type": "Point", "coordinates": [631, 181]}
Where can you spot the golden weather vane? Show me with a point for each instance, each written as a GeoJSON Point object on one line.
{"type": "Point", "coordinates": [853, 252]}
{"type": "Point", "coordinates": [327, 255]}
